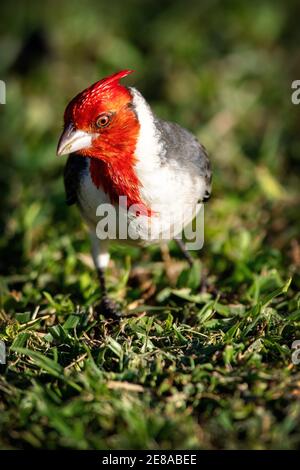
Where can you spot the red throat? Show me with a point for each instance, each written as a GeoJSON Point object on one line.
{"type": "Point", "coordinates": [113, 160]}
{"type": "Point", "coordinates": [118, 180]}
{"type": "Point", "coordinates": [112, 164]}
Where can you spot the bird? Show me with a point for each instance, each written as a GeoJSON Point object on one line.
{"type": "Point", "coordinates": [119, 150]}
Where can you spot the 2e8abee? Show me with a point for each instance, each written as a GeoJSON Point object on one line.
{"type": "Point", "coordinates": [177, 459]}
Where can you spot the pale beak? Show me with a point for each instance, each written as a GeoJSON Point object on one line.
{"type": "Point", "coordinates": [73, 140]}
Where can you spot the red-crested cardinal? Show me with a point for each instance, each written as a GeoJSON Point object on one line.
{"type": "Point", "coordinates": [119, 148]}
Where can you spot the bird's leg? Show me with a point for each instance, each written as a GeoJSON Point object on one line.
{"type": "Point", "coordinates": [184, 251]}
{"type": "Point", "coordinates": [168, 263]}
{"type": "Point", "coordinates": [107, 306]}
{"type": "Point", "coordinates": [101, 259]}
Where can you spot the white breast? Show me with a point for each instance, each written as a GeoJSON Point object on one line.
{"type": "Point", "coordinates": [170, 191]}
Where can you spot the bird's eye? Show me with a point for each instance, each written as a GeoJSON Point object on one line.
{"type": "Point", "coordinates": [103, 120]}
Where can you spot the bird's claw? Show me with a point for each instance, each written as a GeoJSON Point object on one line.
{"type": "Point", "coordinates": [109, 309]}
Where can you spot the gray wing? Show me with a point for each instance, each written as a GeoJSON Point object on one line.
{"type": "Point", "coordinates": [183, 147]}
{"type": "Point", "coordinates": [74, 168]}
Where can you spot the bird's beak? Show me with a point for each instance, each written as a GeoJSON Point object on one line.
{"type": "Point", "coordinates": [73, 140]}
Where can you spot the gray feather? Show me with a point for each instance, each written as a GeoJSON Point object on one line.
{"type": "Point", "coordinates": [183, 147]}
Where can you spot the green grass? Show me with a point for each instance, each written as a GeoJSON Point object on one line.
{"type": "Point", "coordinates": [182, 368]}
{"type": "Point", "coordinates": [194, 371]}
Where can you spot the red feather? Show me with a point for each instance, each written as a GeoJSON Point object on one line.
{"type": "Point", "coordinates": [113, 152]}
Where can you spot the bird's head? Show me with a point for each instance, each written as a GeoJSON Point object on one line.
{"type": "Point", "coordinates": [100, 122]}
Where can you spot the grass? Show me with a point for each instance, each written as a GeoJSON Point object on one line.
{"type": "Point", "coordinates": [182, 368]}
{"type": "Point", "coordinates": [194, 371]}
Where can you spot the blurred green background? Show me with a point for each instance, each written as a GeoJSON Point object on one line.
{"type": "Point", "coordinates": [222, 69]}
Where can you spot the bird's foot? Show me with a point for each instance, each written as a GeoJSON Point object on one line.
{"type": "Point", "coordinates": [109, 308]}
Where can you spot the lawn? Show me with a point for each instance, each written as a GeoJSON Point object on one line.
{"type": "Point", "coordinates": [183, 367]}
